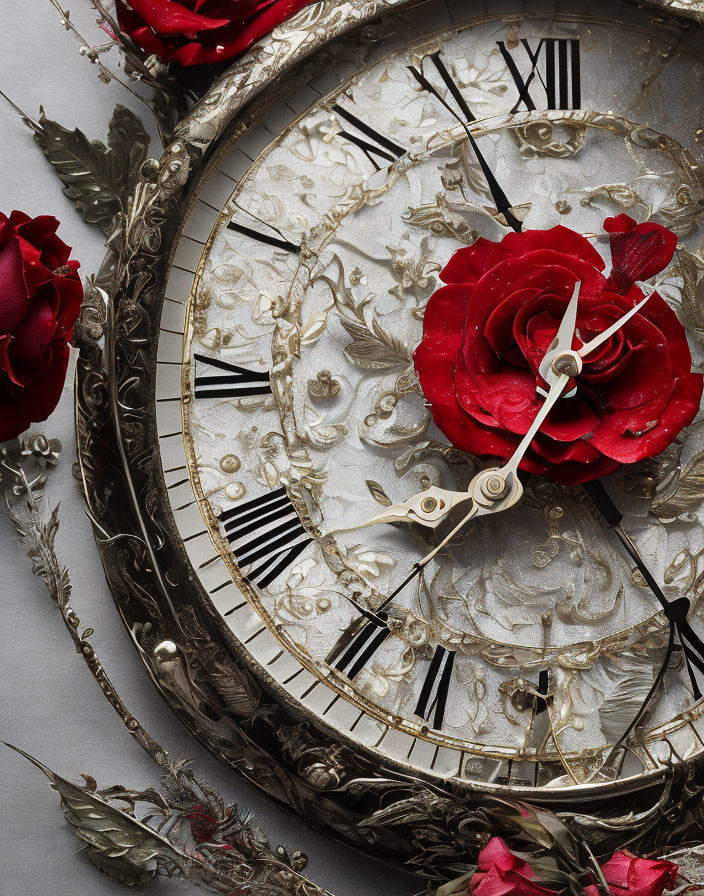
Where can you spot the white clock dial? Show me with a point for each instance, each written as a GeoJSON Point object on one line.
{"type": "Point", "coordinates": [287, 399]}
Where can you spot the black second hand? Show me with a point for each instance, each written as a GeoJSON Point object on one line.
{"type": "Point", "coordinates": [676, 610]}
{"type": "Point", "coordinates": [500, 199]}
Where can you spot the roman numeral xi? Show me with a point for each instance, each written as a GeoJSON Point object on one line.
{"type": "Point", "coordinates": [266, 536]}
{"type": "Point", "coordinates": [228, 380]}
{"type": "Point", "coordinates": [553, 65]}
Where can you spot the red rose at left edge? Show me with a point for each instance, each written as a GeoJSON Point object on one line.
{"type": "Point", "coordinates": [202, 32]}
{"type": "Point", "coordinates": [486, 331]}
{"type": "Point", "coordinates": [40, 298]}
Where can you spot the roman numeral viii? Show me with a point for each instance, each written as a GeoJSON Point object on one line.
{"type": "Point", "coordinates": [554, 64]}
{"type": "Point", "coordinates": [373, 144]}
{"type": "Point", "coordinates": [266, 536]}
{"type": "Point", "coordinates": [230, 382]}
{"type": "Point", "coordinates": [436, 687]}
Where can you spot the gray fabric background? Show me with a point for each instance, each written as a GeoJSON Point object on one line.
{"type": "Point", "coordinates": [49, 704]}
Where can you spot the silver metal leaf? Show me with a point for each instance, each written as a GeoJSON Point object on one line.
{"type": "Point", "coordinates": [96, 177]}
{"type": "Point", "coordinates": [119, 844]}
{"type": "Point", "coordinates": [691, 268]}
{"type": "Point", "coordinates": [374, 351]}
{"type": "Point", "coordinates": [378, 493]}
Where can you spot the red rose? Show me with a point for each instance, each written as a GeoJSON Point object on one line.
{"type": "Point", "coordinates": [486, 332]}
{"type": "Point", "coordinates": [40, 298]}
{"type": "Point", "coordinates": [626, 873]}
{"type": "Point", "coordinates": [195, 32]}
{"type": "Point", "coordinates": [501, 873]}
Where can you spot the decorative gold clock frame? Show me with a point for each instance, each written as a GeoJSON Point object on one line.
{"type": "Point", "coordinates": [207, 677]}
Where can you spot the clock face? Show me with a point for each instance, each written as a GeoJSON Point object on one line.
{"type": "Point", "coordinates": [290, 412]}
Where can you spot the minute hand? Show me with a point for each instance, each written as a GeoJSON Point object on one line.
{"type": "Point", "coordinates": [589, 347]}
{"type": "Point", "coordinates": [507, 472]}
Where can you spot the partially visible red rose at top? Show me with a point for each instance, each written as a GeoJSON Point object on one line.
{"type": "Point", "coordinates": [40, 299]}
{"type": "Point", "coordinates": [201, 32]}
{"type": "Point", "coordinates": [486, 331]}
{"type": "Point", "coordinates": [501, 872]}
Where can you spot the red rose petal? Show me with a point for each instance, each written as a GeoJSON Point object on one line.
{"type": "Point", "coordinates": [470, 264]}
{"type": "Point", "coordinates": [557, 239]}
{"type": "Point", "coordinates": [497, 854]}
{"type": "Point", "coordinates": [169, 18]}
{"type": "Point", "coordinates": [34, 403]}
{"type": "Point", "coordinates": [639, 877]}
{"type": "Point", "coordinates": [499, 330]}
{"type": "Point", "coordinates": [211, 31]}
{"type": "Point", "coordinates": [638, 251]}
{"type": "Point", "coordinates": [31, 339]}
{"type": "Point", "coordinates": [14, 297]}
{"type": "Point", "coordinates": [613, 439]}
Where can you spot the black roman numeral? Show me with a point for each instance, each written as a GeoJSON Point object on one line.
{"type": "Point", "coordinates": [266, 536]}
{"type": "Point", "coordinates": [361, 648]}
{"type": "Point", "coordinates": [433, 695]}
{"type": "Point", "coordinates": [559, 74]}
{"type": "Point", "coordinates": [234, 382]}
{"type": "Point", "coordinates": [376, 146]}
{"type": "Point", "coordinates": [269, 239]}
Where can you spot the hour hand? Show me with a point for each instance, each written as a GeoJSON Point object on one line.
{"type": "Point", "coordinates": [428, 508]}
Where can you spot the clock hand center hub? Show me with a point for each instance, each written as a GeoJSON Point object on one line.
{"type": "Point", "coordinates": [569, 363]}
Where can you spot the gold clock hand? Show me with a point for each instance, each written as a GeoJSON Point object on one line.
{"type": "Point", "coordinates": [561, 343]}
{"type": "Point", "coordinates": [429, 508]}
{"type": "Point", "coordinates": [492, 490]}
{"type": "Point", "coordinates": [594, 343]}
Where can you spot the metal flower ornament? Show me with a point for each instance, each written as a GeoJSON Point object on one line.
{"type": "Point", "coordinates": [532, 358]}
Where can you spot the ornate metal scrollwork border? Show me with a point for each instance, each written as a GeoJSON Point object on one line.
{"type": "Point", "coordinates": [347, 793]}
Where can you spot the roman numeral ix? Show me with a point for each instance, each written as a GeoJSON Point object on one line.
{"type": "Point", "coordinates": [266, 536]}
{"type": "Point", "coordinates": [231, 382]}
{"type": "Point", "coordinates": [373, 144]}
{"type": "Point", "coordinates": [436, 687]}
{"type": "Point", "coordinates": [555, 64]}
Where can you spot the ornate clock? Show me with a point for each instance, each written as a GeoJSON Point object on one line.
{"type": "Point", "coordinates": [395, 443]}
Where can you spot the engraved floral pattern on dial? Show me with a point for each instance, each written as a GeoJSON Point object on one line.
{"type": "Point", "coordinates": [312, 296]}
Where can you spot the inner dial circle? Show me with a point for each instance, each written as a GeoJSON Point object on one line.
{"type": "Point", "coordinates": [333, 425]}
{"type": "Point", "coordinates": [349, 398]}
